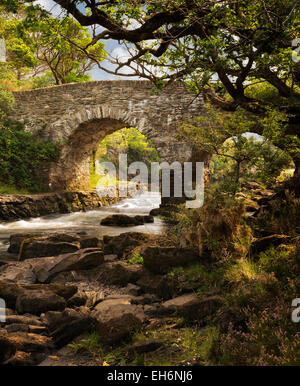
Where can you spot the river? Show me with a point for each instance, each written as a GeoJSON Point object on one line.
{"type": "Point", "coordinates": [87, 223]}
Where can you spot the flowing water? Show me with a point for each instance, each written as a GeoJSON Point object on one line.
{"type": "Point", "coordinates": [86, 223]}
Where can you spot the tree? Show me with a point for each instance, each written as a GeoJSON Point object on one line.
{"type": "Point", "coordinates": [222, 49]}
{"type": "Point", "coordinates": [129, 141]}
{"type": "Point", "coordinates": [235, 155]}
{"type": "Point", "coordinates": [219, 47]}
{"type": "Point", "coordinates": [66, 61]}
{"type": "Point", "coordinates": [20, 60]}
{"type": "Point", "coordinates": [37, 43]}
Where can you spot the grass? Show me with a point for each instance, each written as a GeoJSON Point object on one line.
{"type": "Point", "coordinates": [92, 344]}
{"type": "Point", "coordinates": [242, 269]}
{"type": "Point", "coordinates": [180, 344]}
{"type": "Point", "coordinates": [8, 189]}
{"type": "Point", "coordinates": [210, 278]}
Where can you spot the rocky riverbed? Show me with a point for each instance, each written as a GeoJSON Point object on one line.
{"type": "Point", "coordinates": [63, 288]}
{"type": "Point", "coordinates": [54, 299]}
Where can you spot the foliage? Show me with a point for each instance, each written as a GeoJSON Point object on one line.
{"type": "Point", "coordinates": [223, 50]}
{"type": "Point", "coordinates": [261, 162]}
{"type": "Point", "coordinates": [272, 340]}
{"type": "Point", "coordinates": [21, 156]}
{"type": "Point", "coordinates": [57, 45]}
{"type": "Point", "coordinates": [92, 344]}
{"type": "Point", "coordinates": [242, 43]}
{"type": "Point", "coordinates": [136, 259]}
{"type": "Point", "coordinates": [242, 269]}
{"type": "Point", "coordinates": [282, 216]}
{"type": "Point", "coordinates": [6, 103]}
{"type": "Point", "coordinates": [236, 154]}
{"type": "Point", "coordinates": [37, 44]}
{"type": "Point", "coordinates": [127, 141]}
{"type": "Point", "coordinates": [216, 228]}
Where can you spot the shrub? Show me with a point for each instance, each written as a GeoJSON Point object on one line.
{"type": "Point", "coordinates": [22, 156]}
{"type": "Point", "coordinates": [282, 215]}
{"type": "Point", "coordinates": [272, 339]}
{"type": "Point", "coordinates": [6, 103]}
{"type": "Point", "coordinates": [280, 261]}
{"type": "Point", "coordinates": [136, 259]}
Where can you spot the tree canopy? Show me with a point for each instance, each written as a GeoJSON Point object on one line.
{"type": "Point", "coordinates": [38, 44]}
{"type": "Point", "coordinates": [224, 44]}
{"type": "Point", "coordinates": [235, 53]}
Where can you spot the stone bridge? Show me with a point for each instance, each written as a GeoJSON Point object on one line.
{"type": "Point", "coordinates": [79, 115]}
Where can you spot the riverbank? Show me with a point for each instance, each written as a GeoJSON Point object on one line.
{"type": "Point", "coordinates": [18, 206]}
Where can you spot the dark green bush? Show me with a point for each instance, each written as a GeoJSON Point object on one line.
{"type": "Point", "coordinates": [22, 156]}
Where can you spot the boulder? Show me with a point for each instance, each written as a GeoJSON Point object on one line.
{"type": "Point", "coordinates": [124, 220]}
{"type": "Point", "coordinates": [38, 301]}
{"type": "Point", "coordinates": [41, 330]}
{"type": "Point", "coordinates": [124, 243]}
{"type": "Point", "coordinates": [163, 259]}
{"type": "Point", "coordinates": [116, 319]}
{"type": "Point", "coordinates": [162, 286]}
{"type": "Point", "coordinates": [251, 185]}
{"type": "Point", "coordinates": [64, 326]}
{"type": "Point", "coordinates": [143, 219]}
{"type": "Point", "coordinates": [65, 291]}
{"type": "Point", "coordinates": [165, 212]}
{"type": "Point", "coordinates": [77, 300]}
{"type": "Point", "coordinates": [10, 291]}
{"type": "Point", "coordinates": [19, 271]}
{"type": "Point", "coordinates": [88, 242]}
{"type": "Point", "coordinates": [94, 298]}
{"type": "Point", "coordinates": [16, 240]}
{"type": "Point", "coordinates": [22, 358]}
{"type": "Point", "coordinates": [7, 348]}
{"type": "Point", "coordinates": [27, 342]}
{"type": "Point", "coordinates": [119, 274]}
{"type": "Point", "coordinates": [17, 327]}
{"type": "Point", "coordinates": [82, 259]}
{"type": "Point", "coordinates": [263, 243]}
{"type": "Point", "coordinates": [251, 205]}
{"type": "Point", "coordinates": [32, 247]}
{"type": "Point", "coordinates": [132, 289]}
{"type": "Point", "coordinates": [192, 308]}
{"type": "Point", "coordinates": [110, 258]}
{"type": "Point", "coordinates": [145, 299]}
{"type": "Point", "coordinates": [32, 320]}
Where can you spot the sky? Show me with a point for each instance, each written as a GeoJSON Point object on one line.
{"type": "Point", "coordinates": [111, 46]}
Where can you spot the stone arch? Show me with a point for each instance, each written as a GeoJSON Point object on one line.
{"type": "Point", "coordinates": [80, 132]}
